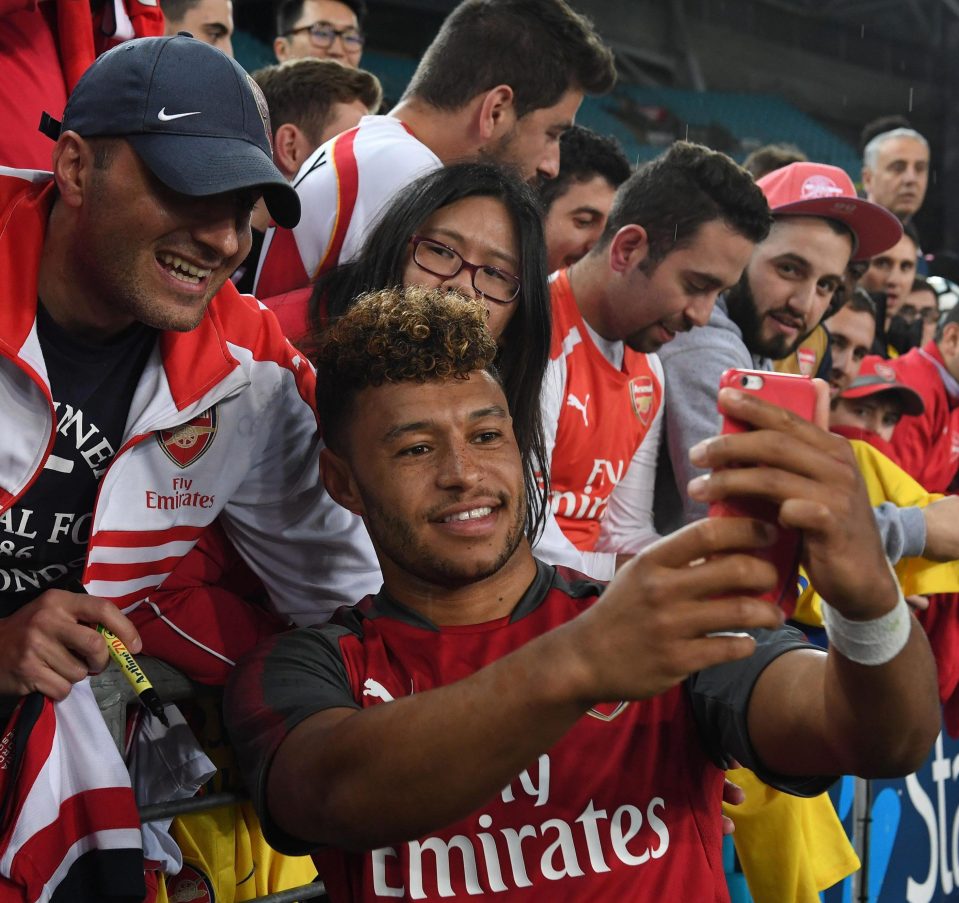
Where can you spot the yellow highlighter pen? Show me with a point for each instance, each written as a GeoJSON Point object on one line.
{"type": "Point", "coordinates": [149, 697]}
{"type": "Point", "coordinates": [134, 674]}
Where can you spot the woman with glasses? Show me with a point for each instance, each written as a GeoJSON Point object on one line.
{"type": "Point", "coordinates": [475, 228]}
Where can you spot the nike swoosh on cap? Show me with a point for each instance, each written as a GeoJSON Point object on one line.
{"type": "Point", "coordinates": [164, 116]}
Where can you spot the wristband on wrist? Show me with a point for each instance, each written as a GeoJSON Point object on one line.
{"type": "Point", "coordinates": [872, 642]}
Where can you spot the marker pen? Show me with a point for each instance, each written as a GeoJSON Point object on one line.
{"type": "Point", "coordinates": [134, 674]}
{"type": "Point", "coordinates": [148, 697]}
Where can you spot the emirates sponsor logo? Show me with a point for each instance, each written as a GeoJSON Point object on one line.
{"type": "Point", "coordinates": [181, 495]}
{"type": "Point", "coordinates": [503, 859]}
{"type": "Point", "coordinates": [591, 502]}
{"type": "Point", "coordinates": [186, 444]}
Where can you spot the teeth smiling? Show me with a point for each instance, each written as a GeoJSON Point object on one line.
{"type": "Point", "coordinates": [472, 514]}
{"type": "Point", "coordinates": [183, 270]}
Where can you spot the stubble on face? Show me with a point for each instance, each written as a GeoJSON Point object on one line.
{"type": "Point", "coordinates": [742, 309]}
{"type": "Point", "coordinates": [396, 538]}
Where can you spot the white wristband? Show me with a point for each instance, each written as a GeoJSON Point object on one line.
{"type": "Point", "coordinates": [872, 642]}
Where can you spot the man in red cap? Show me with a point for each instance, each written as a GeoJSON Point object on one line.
{"type": "Point", "coordinates": [819, 226]}
{"type": "Point", "coordinates": [928, 445]}
{"type": "Point", "coordinates": [875, 402]}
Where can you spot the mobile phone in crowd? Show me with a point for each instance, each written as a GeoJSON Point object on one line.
{"type": "Point", "coordinates": [796, 394]}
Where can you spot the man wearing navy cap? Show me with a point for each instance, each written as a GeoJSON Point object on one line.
{"type": "Point", "coordinates": [143, 397]}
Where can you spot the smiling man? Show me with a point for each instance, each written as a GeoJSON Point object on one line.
{"type": "Point", "coordinates": [819, 224]}
{"type": "Point", "coordinates": [481, 91]}
{"type": "Point", "coordinates": [681, 229]}
{"type": "Point", "coordinates": [145, 398]}
{"type": "Point", "coordinates": [486, 724]}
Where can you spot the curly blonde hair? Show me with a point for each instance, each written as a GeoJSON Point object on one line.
{"type": "Point", "coordinates": [398, 335]}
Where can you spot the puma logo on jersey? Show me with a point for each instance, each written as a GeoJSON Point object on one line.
{"type": "Point", "coordinates": [573, 402]}
{"type": "Point", "coordinates": [375, 689]}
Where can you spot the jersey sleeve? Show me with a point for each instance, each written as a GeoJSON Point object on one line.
{"type": "Point", "coordinates": [720, 699]}
{"type": "Point", "coordinates": [283, 682]}
{"type": "Point", "coordinates": [628, 523]}
{"type": "Point", "coordinates": [311, 554]}
{"type": "Point", "coordinates": [693, 364]}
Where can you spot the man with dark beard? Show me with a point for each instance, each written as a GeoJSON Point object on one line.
{"type": "Point", "coordinates": [819, 225]}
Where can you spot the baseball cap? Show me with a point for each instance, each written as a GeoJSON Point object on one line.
{"type": "Point", "coordinates": [817, 189]}
{"type": "Point", "coordinates": [875, 376]}
{"type": "Point", "coordinates": [191, 113]}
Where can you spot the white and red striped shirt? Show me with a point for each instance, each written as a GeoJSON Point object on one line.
{"type": "Point", "coordinates": [66, 798]}
{"type": "Point", "coordinates": [343, 186]}
{"type": "Point", "coordinates": [221, 426]}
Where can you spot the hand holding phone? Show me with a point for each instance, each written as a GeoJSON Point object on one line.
{"type": "Point", "coordinates": [796, 394]}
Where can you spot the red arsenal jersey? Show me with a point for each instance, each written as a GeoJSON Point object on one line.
{"type": "Point", "coordinates": [626, 806]}
{"type": "Point", "coordinates": [927, 445]}
{"type": "Point", "coordinates": [605, 416]}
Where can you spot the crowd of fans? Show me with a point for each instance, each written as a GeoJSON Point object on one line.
{"type": "Point", "coordinates": [466, 440]}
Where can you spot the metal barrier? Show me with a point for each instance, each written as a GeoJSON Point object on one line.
{"type": "Point", "coordinates": [113, 694]}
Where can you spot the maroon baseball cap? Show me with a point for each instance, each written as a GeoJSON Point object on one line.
{"type": "Point", "coordinates": [877, 375]}
{"type": "Point", "coordinates": [817, 189]}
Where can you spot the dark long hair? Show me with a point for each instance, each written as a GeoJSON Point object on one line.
{"type": "Point", "coordinates": [524, 345]}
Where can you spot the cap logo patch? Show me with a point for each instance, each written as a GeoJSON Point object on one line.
{"type": "Point", "coordinates": [263, 110]}
{"type": "Point", "coordinates": [819, 187]}
{"type": "Point", "coordinates": [164, 116]}
{"type": "Point", "coordinates": [884, 371]}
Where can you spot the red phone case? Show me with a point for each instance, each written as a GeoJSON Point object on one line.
{"type": "Point", "coordinates": [796, 394]}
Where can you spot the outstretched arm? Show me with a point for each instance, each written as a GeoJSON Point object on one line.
{"type": "Point", "coordinates": [397, 770]}
{"type": "Point", "coordinates": [812, 713]}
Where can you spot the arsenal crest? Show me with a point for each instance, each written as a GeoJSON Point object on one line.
{"type": "Point", "coordinates": [641, 394]}
{"type": "Point", "coordinates": [187, 443]}
{"type": "Point", "coordinates": [607, 711]}
{"type": "Point", "coordinates": [190, 886]}
{"type": "Point", "coordinates": [807, 361]}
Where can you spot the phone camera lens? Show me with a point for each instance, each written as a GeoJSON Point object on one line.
{"type": "Point", "coordinates": [744, 381]}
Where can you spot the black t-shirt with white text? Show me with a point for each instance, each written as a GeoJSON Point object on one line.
{"type": "Point", "coordinates": [43, 538]}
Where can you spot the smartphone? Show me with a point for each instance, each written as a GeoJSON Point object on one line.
{"type": "Point", "coordinates": [796, 394]}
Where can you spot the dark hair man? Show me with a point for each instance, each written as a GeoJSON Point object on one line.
{"type": "Point", "coordinates": [892, 272]}
{"type": "Point", "coordinates": [920, 311]}
{"type": "Point", "coordinates": [819, 224]}
{"type": "Point", "coordinates": [488, 724]}
{"type": "Point", "coordinates": [852, 331]}
{"type": "Point", "coordinates": [928, 445]}
{"type": "Point", "coordinates": [324, 29]}
{"type": "Point", "coordinates": [895, 171]}
{"type": "Point", "coordinates": [681, 229]}
{"type": "Point", "coordinates": [480, 91]}
{"type": "Point", "coordinates": [146, 398]}
{"type": "Point", "coordinates": [576, 203]}
{"type": "Point", "coordinates": [210, 21]}
{"type": "Point", "coordinates": [310, 101]}
{"type": "Point", "coordinates": [770, 157]}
